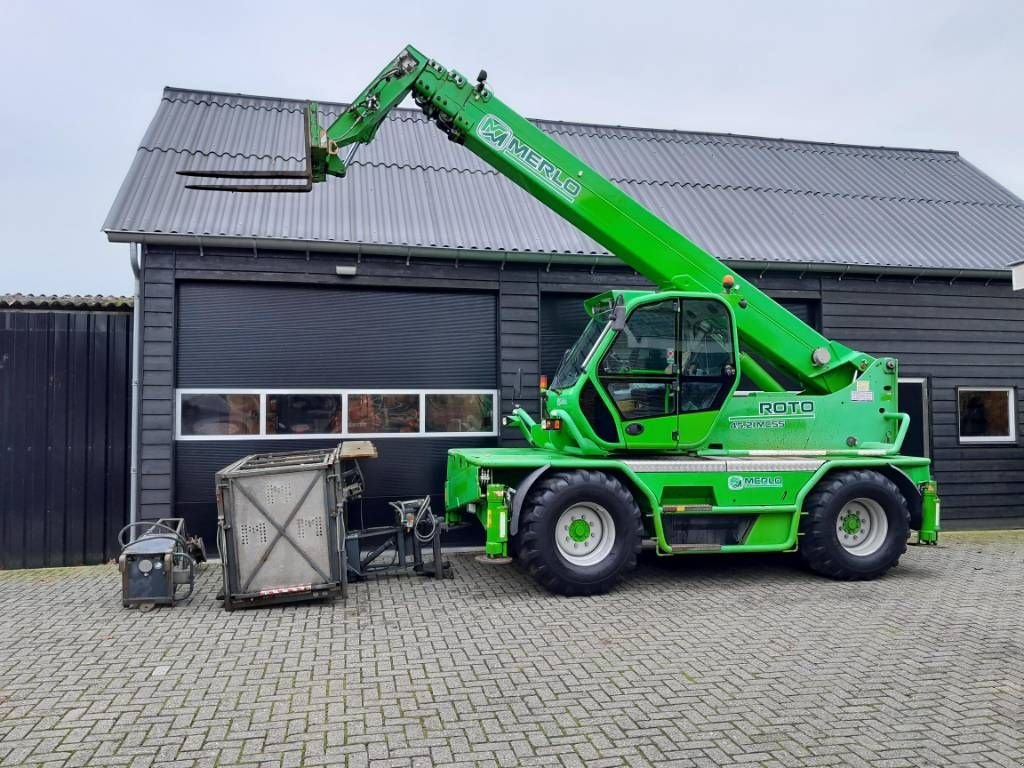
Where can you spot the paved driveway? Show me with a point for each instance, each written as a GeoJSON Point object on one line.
{"type": "Point", "coordinates": [703, 662]}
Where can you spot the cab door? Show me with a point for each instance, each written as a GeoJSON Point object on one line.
{"type": "Point", "coordinates": [640, 377]}
{"type": "Point", "coordinates": [707, 367]}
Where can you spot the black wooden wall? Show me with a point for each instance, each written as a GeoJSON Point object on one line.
{"type": "Point", "coordinates": [960, 332]}
{"type": "Point", "coordinates": [65, 406]}
{"type": "Point", "coordinates": [952, 333]}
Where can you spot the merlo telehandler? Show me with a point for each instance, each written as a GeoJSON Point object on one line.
{"type": "Point", "coordinates": [645, 433]}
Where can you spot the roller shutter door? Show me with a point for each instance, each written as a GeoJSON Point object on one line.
{"type": "Point", "coordinates": [274, 336]}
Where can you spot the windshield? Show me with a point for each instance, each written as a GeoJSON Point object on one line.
{"type": "Point", "coordinates": [572, 362]}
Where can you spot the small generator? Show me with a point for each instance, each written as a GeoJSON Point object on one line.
{"type": "Point", "coordinates": [157, 560]}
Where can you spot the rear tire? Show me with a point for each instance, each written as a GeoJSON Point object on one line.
{"type": "Point", "coordinates": [855, 526]}
{"type": "Point", "coordinates": [581, 531]}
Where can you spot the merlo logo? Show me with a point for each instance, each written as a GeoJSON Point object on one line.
{"type": "Point", "coordinates": [494, 132]}
{"type": "Point", "coordinates": [741, 483]}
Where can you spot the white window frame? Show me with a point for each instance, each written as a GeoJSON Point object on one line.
{"type": "Point", "coordinates": [1011, 395]}
{"type": "Point", "coordinates": [344, 434]}
{"type": "Point", "coordinates": [224, 391]}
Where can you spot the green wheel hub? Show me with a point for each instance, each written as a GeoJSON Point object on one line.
{"type": "Point", "coordinates": [579, 530]}
{"type": "Point", "coordinates": [862, 526]}
{"type": "Point", "coordinates": [585, 534]}
{"type": "Point", "coordinates": [851, 523]}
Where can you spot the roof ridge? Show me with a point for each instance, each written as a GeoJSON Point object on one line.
{"type": "Point", "coordinates": [64, 300]}
{"type": "Point", "coordinates": [820, 148]}
{"type": "Point", "coordinates": [415, 114]}
{"type": "Point", "coordinates": [209, 102]}
{"type": "Point", "coordinates": [751, 137]}
{"type": "Point", "coordinates": [816, 193]}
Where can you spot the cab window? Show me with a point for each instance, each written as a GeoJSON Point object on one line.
{"type": "Point", "coordinates": [639, 370]}
{"type": "Point", "coordinates": [706, 364]}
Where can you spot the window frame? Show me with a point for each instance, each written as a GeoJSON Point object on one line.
{"type": "Point", "coordinates": [275, 436]}
{"type": "Point", "coordinates": [178, 411]}
{"type": "Point", "coordinates": [1011, 439]}
{"type": "Point", "coordinates": [678, 377]}
{"type": "Point", "coordinates": [726, 384]}
{"type": "Point", "coordinates": [605, 379]}
{"type": "Point", "coordinates": [344, 434]}
{"type": "Point", "coordinates": [495, 408]}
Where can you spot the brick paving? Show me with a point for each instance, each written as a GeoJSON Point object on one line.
{"type": "Point", "coordinates": [704, 662]}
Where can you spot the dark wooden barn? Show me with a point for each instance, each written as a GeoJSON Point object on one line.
{"type": "Point", "coordinates": [401, 303]}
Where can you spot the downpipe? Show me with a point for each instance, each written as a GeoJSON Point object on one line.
{"type": "Point", "coordinates": [135, 258]}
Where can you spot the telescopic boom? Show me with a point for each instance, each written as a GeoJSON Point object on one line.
{"type": "Point", "coordinates": [471, 115]}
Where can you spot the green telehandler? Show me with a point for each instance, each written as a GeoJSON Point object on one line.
{"type": "Point", "coordinates": [644, 431]}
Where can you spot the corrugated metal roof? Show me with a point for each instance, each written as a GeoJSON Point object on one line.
{"type": "Point", "coordinates": [40, 301]}
{"type": "Point", "coordinates": [742, 198]}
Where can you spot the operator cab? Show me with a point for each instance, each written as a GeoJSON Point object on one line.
{"type": "Point", "coordinates": [654, 378]}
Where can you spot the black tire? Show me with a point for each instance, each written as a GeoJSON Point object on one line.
{"type": "Point", "coordinates": [513, 546]}
{"type": "Point", "coordinates": [820, 545]}
{"type": "Point", "coordinates": [539, 552]}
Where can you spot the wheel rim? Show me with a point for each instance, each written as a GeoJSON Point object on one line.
{"type": "Point", "coordinates": [585, 533]}
{"type": "Point", "coordinates": [861, 526]}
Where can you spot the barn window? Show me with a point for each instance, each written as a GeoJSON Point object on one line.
{"type": "Point", "coordinates": [305, 413]}
{"type": "Point", "coordinates": [456, 412]}
{"type": "Point", "coordinates": [986, 414]}
{"type": "Point", "coordinates": [215, 414]}
{"type": "Point", "coordinates": [295, 414]}
{"type": "Point", "coordinates": [380, 414]}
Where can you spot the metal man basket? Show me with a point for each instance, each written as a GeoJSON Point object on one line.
{"type": "Point", "coordinates": [281, 524]}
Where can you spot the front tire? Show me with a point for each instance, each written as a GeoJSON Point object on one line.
{"type": "Point", "coordinates": [855, 526]}
{"type": "Point", "coordinates": [581, 531]}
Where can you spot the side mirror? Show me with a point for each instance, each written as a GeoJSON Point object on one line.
{"type": "Point", "coordinates": [619, 316]}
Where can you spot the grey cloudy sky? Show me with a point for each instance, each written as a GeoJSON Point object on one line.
{"type": "Point", "coordinates": [80, 82]}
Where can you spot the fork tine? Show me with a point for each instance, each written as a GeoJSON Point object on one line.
{"type": "Point", "coordinates": [305, 175]}
{"type": "Point", "coordinates": [245, 174]}
{"type": "Point", "coordinates": [253, 187]}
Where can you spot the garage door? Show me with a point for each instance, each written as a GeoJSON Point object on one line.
{"type": "Point", "coordinates": [282, 367]}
